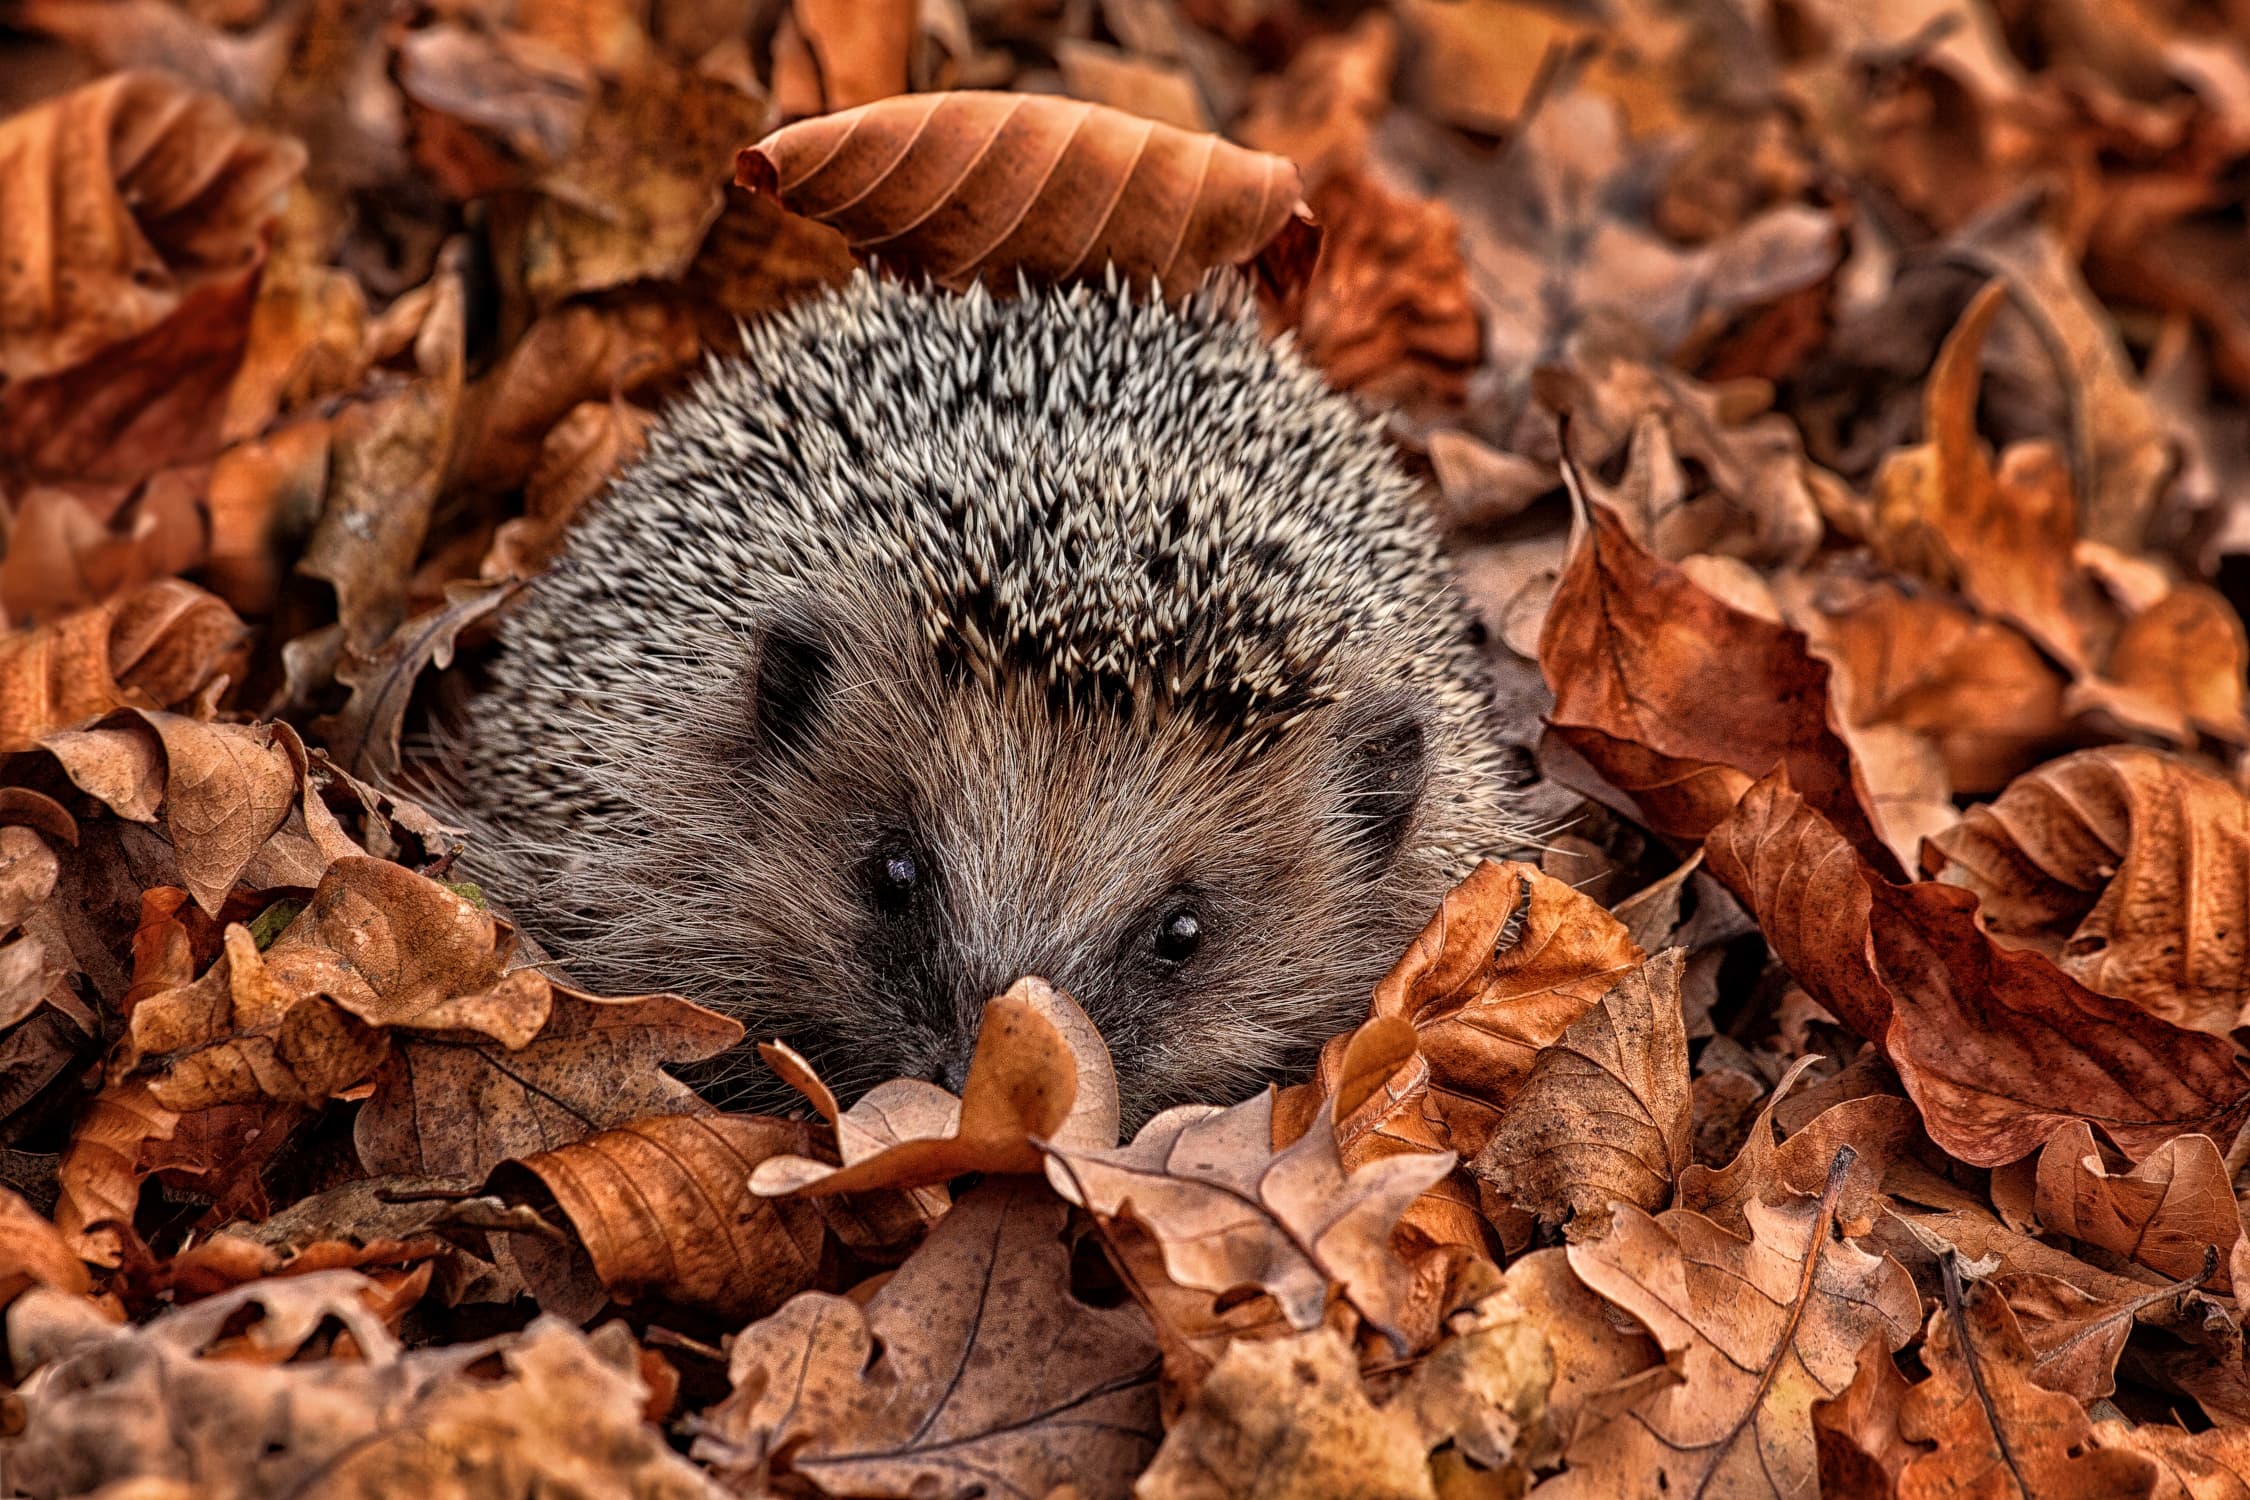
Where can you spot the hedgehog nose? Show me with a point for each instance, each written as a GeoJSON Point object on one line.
{"type": "Point", "coordinates": [950, 1070]}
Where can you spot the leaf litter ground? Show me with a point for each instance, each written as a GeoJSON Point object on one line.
{"type": "Point", "coordinates": [1837, 416]}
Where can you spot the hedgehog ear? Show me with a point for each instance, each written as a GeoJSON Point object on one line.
{"type": "Point", "coordinates": [1386, 771]}
{"type": "Point", "coordinates": [789, 681]}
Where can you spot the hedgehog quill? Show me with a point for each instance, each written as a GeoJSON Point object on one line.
{"type": "Point", "coordinates": [940, 640]}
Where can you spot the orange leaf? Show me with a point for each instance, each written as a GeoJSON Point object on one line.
{"type": "Point", "coordinates": [155, 647]}
{"type": "Point", "coordinates": [117, 201]}
{"type": "Point", "coordinates": [973, 186]}
{"type": "Point", "coordinates": [2129, 868]}
{"type": "Point", "coordinates": [100, 1173]}
{"type": "Point", "coordinates": [1996, 1048]}
{"type": "Point", "coordinates": [1039, 1073]}
{"type": "Point", "coordinates": [664, 1206]}
{"type": "Point", "coordinates": [2006, 539]}
{"type": "Point", "coordinates": [33, 1252]}
{"type": "Point", "coordinates": [1681, 701]}
{"type": "Point", "coordinates": [1997, 1433]}
{"type": "Point", "coordinates": [1511, 959]}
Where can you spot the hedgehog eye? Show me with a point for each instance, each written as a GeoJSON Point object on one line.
{"type": "Point", "coordinates": [896, 873]}
{"type": "Point", "coordinates": [1178, 935]}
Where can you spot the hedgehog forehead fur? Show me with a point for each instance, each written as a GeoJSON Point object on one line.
{"type": "Point", "coordinates": [1095, 589]}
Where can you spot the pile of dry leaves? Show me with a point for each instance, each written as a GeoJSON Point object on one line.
{"type": "Point", "coordinates": [1837, 408]}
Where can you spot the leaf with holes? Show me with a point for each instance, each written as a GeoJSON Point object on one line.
{"type": "Point", "coordinates": [1997, 1433]}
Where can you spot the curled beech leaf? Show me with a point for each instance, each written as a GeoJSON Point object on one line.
{"type": "Point", "coordinates": [972, 186]}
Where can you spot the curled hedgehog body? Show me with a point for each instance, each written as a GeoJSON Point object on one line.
{"type": "Point", "coordinates": [940, 640]}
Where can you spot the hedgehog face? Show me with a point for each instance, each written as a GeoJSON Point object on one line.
{"type": "Point", "coordinates": [903, 845]}
{"type": "Point", "coordinates": [940, 641]}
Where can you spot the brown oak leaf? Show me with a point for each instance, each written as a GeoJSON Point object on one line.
{"type": "Point", "coordinates": [274, 1410]}
{"type": "Point", "coordinates": [457, 1101]}
{"type": "Point", "coordinates": [1292, 1416]}
{"type": "Point", "coordinates": [1761, 1328]}
{"type": "Point", "coordinates": [1229, 1210]}
{"type": "Point", "coordinates": [1997, 1433]}
{"type": "Point", "coordinates": [1861, 1451]}
{"type": "Point", "coordinates": [1014, 1387]}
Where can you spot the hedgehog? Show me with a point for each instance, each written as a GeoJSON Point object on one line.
{"type": "Point", "coordinates": [943, 639]}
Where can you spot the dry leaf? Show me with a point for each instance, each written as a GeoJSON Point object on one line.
{"type": "Point", "coordinates": [1511, 959]}
{"type": "Point", "coordinates": [1997, 1433]}
{"type": "Point", "coordinates": [456, 1104]}
{"type": "Point", "coordinates": [929, 1391]}
{"type": "Point", "coordinates": [1388, 312]}
{"type": "Point", "coordinates": [641, 187]}
{"type": "Point", "coordinates": [861, 46]}
{"type": "Point", "coordinates": [33, 1252]}
{"type": "Point", "coordinates": [1598, 1352]}
{"type": "Point", "coordinates": [1604, 1117]}
{"type": "Point", "coordinates": [389, 459]}
{"type": "Point", "coordinates": [1682, 701]}
{"type": "Point", "coordinates": [1284, 1417]}
{"type": "Point", "coordinates": [1861, 1451]}
{"type": "Point", "coordinates": [559, 1413]}
{"type": "Point", "coordinates": [2213, 1464]}
{"type": "Point", "coordinates": [363, 736]}
{"type": "Point", "coordinates": [1040, 1075]}
{"type": "Point", "coordinates": [1975, 688]}
{"type": "Point", "coordinates": [2130, 869]}
{"type": "Point", "coordinates": [591, 443]}
{"type": "Point", "coordinates": [972, 186]}
{"type": "Point", "coordinates": [2176, 670]}
{"type": "Point", "coordinates": [2076, 1336]}
{"type": "Point", "coordinates": [664, 1206]}
{"type": "Point", "coordinates": [2174, 1209]}
{"type": "Point", "coordinates": [1761, 1328]}
{"type": "Point", "coordinates": [2005, 539]}
{"type": "Point", "coordinates": [1555, 242]}
{"type": "Point", "coordinates": [1143, 86]}
{"type": "Point", "coordinates": [100, 1174]}
{"type": "Point", "coordinates": [156, 647]}
{"type": "Point", "coordinates": [1878, 1128]}
{"type": "Point", "coordinates": [1996, 1048]}
{"type": "Point", "coordinates": [1228, 1210]}
{"type": "Point", "coordinates": [123, 200]}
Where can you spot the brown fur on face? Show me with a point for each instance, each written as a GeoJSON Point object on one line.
{"type": "Point", "coordinates": [1049, 837]}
